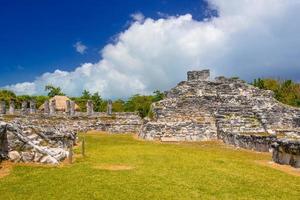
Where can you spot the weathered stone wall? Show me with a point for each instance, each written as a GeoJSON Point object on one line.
{"type": "Point", "coordinates": [46, 138]}
{"type": "Point", "coordinates": [287, 151]}
{"type": "Point", "coordinates": [21, 143]}
{"type": "Point", "coordinates": [226, 105]}
{"type": "Point", "coordinates": [256, 142]}
{"type": "Point", "coordinates": [225, 108]}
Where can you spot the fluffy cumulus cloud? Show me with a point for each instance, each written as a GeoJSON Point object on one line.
{"type": "Point", "coordinates": [79, 47]}
{"type": "Point", "coordinates": [248, 38]}
{"type": "Point", "coordinates": [139, 17]}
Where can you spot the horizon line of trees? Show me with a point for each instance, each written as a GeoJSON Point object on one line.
{"type": "Point", "coordinates": [136, 103]}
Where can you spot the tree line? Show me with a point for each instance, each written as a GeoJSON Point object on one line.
{"type": "Point", "coordinates": [286, 91]}
{"type": "Point", "coordinates": [136, 103]}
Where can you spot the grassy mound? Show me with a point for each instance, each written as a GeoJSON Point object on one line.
{"type": "Point", "coordinates": [121, 167]}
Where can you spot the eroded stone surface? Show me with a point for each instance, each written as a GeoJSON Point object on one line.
{"type": "Point", "coordinates": [225, 108]}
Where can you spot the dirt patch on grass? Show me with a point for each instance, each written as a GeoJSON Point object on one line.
{"type": "Point", "coordinates": [5, 169]}
{"type": "Point", "coordinates": [284, 168]}
{"type": "Point", "coordinates": [113, 167]}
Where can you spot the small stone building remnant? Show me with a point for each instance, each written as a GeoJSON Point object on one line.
{"type": "Point", "coordinates": [287, 152]}
{"type": "Point", "coordinates": [2, 107]}
{"type": "Point", "coordinates": [12, 107]}
{"type": "Point", "coordinates": [72, 108]}
{"type": "Point", "coordinates": [109, 107]}
{"type": "Point", "coordinates": [46, 107]}
{"type": "Point", "coordinates": [24, 107]}
{"type": "Point", "coordinates": [53, 107]}
{"type": "Point", "coordinates": [198, 75]}
{"type": "Point", "coordinates": [68, 107]}
{"type": "Point", "coordinates": [89, 107]}
{"type": "Point", "coordinates": [32, 105]}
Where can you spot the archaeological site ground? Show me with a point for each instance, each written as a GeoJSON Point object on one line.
{"type": "Point", "coordinates": [218, 138]}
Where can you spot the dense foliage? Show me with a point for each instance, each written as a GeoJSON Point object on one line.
{"type": "Point", "coordinates": [286, 91]}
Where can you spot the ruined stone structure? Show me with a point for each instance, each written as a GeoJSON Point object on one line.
{"type": "Point", "coordinates": [32, 105]}
{"type": "Point", "coordinates": [89, 107]}
{"type": "Point", "coordinates": [46, 107]}
{"type": "Point", "coordinates": [72, 108]}
{"type": "Point", "coordinates": [24, 107]}
{"type": "Point", "coordinates": [109, 107]}
{"type": "Point", "coordinates": [53, 107]}
{"type": "Point", "coordinates": [68, 107]}
{"type": "Point", "coordinates": [2, 107]}
{"type": "Point", "coordinates": [198, 109]}
{"type": "Point", "coordinates": [12, 107]}
{"type": "Point", "coordinates": [225, 108]}
{"type": "Point", "coordinates": [46, 138]}
{"type": "Point", "coordinates": [34, 143]}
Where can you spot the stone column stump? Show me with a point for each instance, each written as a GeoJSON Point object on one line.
{"type": "Point", "coordinates": [46, 107]}
{"type": "Point", "coordinates": [109, 107]}
{"type": "Point", "coordinates": [2, 107]}
{"type": "Point", "coordinates": [89, 107]}
{"type": "Point", "coordinates": [53, 107]}
{"type": "Point", "coordinates": [12, 107]}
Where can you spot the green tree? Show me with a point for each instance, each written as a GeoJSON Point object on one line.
{"type": "Point", "coordinates": [158, 95]}
{"type": "Point", "coordinates": [286, 91]}
{"type": "Point", "coordinates": [118, 105]}
{"type": "Point", "coordinates": [53, 91]}
{"type": "Point", "coordinates": [139, 103]}
{"type": "Point", "coordinates": [98, 102]}
{"type": "Point", "coordinates": [86, 95]}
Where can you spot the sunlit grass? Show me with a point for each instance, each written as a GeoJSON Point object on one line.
{"type": "Point", "coordinates": [121, 167]}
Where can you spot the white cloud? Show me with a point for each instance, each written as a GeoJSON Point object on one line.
{"type": "Point", "coordinates": [249, 38]}
{"type": "Point", "coordinates": [80, 48]}
{"type": "Point", "coordinates": [139, 17]}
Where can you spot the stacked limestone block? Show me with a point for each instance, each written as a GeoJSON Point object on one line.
{"type": "Point", "coordinates": [30, 143]}
{"type": "Point", "coordinates": [225, 105]}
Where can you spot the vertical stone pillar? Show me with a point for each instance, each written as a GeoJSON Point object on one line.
{"type": "Point", "coordinates": [53, 107]}
{"type": "Point", "coordinates": [89, 107]}
{"type": "Point", "coordinates": [46, 107]}
{"type": "Point", "coordinates": [24, 108]}
{"type": "Point", "coordinates": [72, 108]}
{"type": "Point", "coordinates": [68, 107]}
{"type": "Point", "coordinates": [2, 107]}
{"type": "Point", "coordinates": [12, 107]}
{"type": "Point", "coordinates": [32, 105]}
{"type": "Point", "coordinates": [109, 107]}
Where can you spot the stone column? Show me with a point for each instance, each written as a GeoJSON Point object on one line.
{"type": "Point", "coordinates": [2, 107]}
{"type": "Point", "coordinates": [68, 107]}
{"type": "Point", "coordinates": [53, 107]}
{"type": "Point", "coordinates": [89, 107]}
{"type": "Point", "coordinates": [109, 107]}
{"type": "Point", "coordinates": [46, 107]}
{"type": "Point", "coordinates": [32, 107]}
{"type": "Point", "coordinates": [72, 108]}
{"type": "Point", "coordinates": [12, 107]}
{"type": "Point", "coordinates": [24, 107]}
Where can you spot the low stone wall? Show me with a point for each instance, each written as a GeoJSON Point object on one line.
{"type": "Point", "coordinates": [287, 151]}
{"type": "Point", "coordinates": [254, 142]}
{"type": "Point", "coordinates": [21, 143]}
{"type": "Point", "coordinates": [46, 139]}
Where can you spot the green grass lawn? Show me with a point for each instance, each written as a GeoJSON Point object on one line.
{"type": "Point", "coordinates": [203, 170]}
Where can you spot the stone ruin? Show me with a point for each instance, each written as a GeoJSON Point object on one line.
{"type": "Point", "coordinates": [198, 109]}
{"type": "Point", "coordinates": [228, 109]}
{"type": "Point", "coordinates": [31, 135]}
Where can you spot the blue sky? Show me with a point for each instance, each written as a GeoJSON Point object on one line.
{"type": "Point", "coordinates": [121, 48]}
{"type": "Point", "coordinates": [37, 36]}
